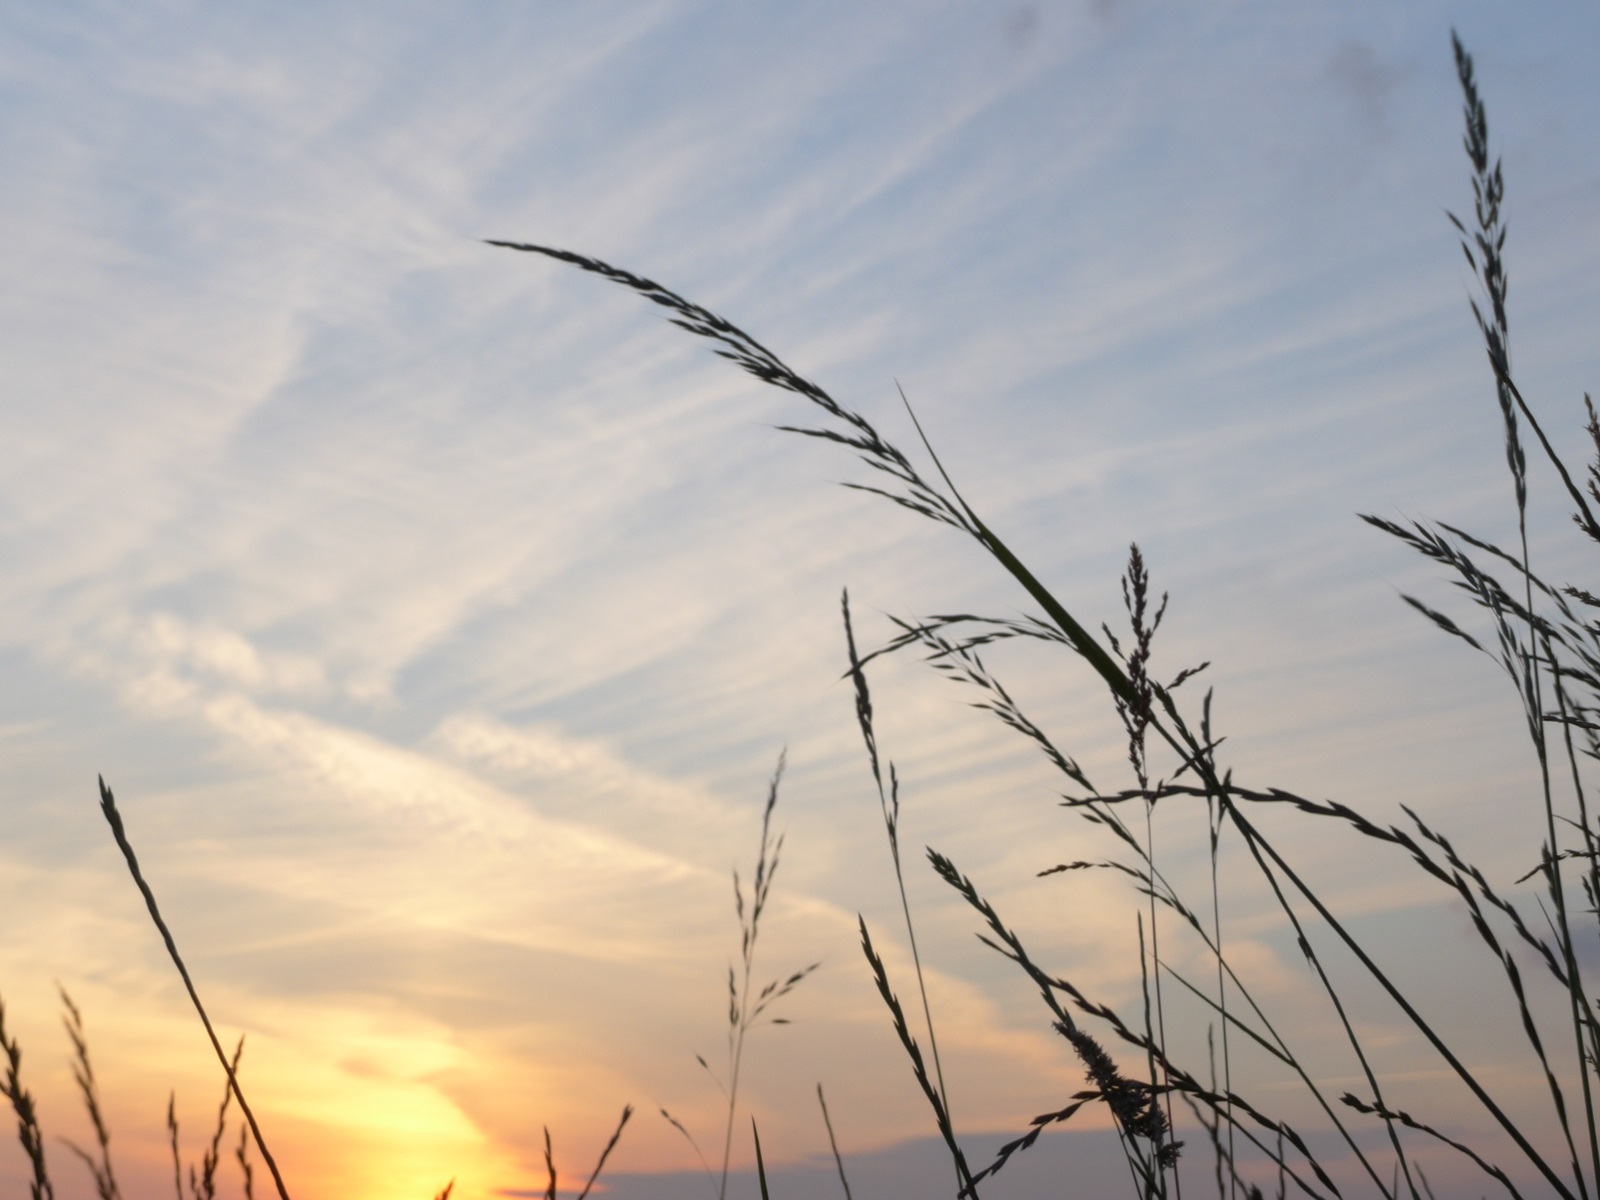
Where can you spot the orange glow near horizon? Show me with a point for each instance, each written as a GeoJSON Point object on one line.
{"type": "Point", "coordinates": [386, 1142]}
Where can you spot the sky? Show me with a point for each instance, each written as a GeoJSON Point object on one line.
{"type": "Point", "coordinates": [438, 614]}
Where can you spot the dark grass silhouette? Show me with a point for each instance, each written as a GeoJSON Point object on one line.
{"type": "Point", "coordinates": [1542, 638]}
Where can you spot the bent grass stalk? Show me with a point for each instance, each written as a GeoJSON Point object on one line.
{"type": "Point", "coordinates": [1552, 657]}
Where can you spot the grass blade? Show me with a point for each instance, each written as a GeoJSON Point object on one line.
{"type": "Point", "coordinates": [833, 1144]}
{"type": "Point", "coordinates": [28, 1132]}
{"type": "Point", "coordinates": [108, 808]}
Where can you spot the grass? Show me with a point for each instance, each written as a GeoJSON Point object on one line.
{"type": "Point", "coordinates": [1173, 1104]}
{"type": "Point", "coordinates": [1542, 640]}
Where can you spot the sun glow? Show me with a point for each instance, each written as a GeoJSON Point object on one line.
{"type": "Point", "coordinates": [363, 1132]}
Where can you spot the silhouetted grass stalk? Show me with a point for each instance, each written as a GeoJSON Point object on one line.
{"type": "Point", "coordinates": [833, 1144]}
{"type": "Point", "coordinates": [761, 1163]}
{"type": "Point", "coordinates": [108, 808]}
{"type": "Point", "coordinates": [27, 1115]}
{"type": "Point", "coordinates": [105, 1179]}
{"type": "Point", "coordinates": [889, 805]}
{"type": "Point", "coordinates": [744, 1008]}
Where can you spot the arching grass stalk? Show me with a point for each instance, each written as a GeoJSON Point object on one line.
{"type": "Point", "coordinates": [1552, 655]}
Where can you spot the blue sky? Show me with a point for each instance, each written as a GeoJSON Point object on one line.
{"type": "Point", "coordinates": [438, 613]}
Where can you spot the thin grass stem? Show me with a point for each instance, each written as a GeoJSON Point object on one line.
{"type": "Point", "coordinates": [99, 1164]}
{"type": "Point", "coordinates": [833, 1143]}
{"type": "Point", "coordinates": [108, 807]}
{"type": "Point", "coordinates": [28, 1132]}
{"type": "Point", "coordinates": [889, 804]}
{"type": "Point", "coordinates": [627, 1111]}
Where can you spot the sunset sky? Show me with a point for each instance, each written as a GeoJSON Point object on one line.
{"type": "Point", "coordinates": [438, 613]}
